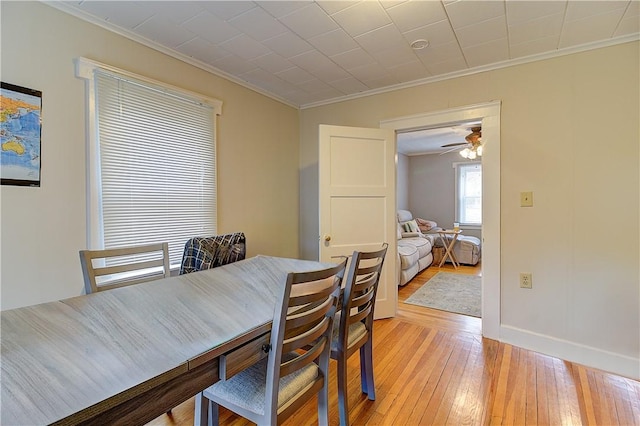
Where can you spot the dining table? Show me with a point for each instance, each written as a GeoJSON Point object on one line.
{"type": "Point", "coordinates": [130, 354]}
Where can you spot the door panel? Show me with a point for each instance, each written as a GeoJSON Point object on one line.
{"type": "Point", "coordinates": [357, 200]}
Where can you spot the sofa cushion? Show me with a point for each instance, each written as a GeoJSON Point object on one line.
{"type": "Point", "coordinates": [408, 254]}
{"type": "Point", "coordinates": [422, 244]}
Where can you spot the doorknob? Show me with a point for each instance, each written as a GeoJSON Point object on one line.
{"type": "Point", "coordinates": [327, 238]}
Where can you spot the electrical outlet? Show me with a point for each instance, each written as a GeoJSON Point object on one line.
{"type": "Point", "coordinates": [526, 281]}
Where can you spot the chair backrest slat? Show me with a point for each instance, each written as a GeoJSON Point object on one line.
{"type": "Point", "coordinates": [150, 261]}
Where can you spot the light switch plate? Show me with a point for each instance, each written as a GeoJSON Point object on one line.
{"type": "Point", "coordinates": [526, 199]}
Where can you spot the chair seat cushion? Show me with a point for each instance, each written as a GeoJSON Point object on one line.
{"type": "Point", "coordinates": [247, 389]}
{"type": "Point", "coordinates": [356, 331]}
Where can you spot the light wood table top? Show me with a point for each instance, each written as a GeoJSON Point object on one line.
{"type": "Point", "coordinates": [132, 353]}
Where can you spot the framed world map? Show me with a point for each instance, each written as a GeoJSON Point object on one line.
{"type": "Point", "coordinates": [20, 133]}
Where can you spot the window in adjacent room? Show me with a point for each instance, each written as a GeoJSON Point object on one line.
{"type": "Point", "coordinates": [152, 161]}
{"type": "Point", "coordinates": [469, 193]}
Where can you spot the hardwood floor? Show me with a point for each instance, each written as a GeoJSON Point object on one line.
{"type": "Point", "coordinates": [434, 368]}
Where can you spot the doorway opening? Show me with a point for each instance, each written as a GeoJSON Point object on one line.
{"type": "Point", "coordinates": [488, 115]}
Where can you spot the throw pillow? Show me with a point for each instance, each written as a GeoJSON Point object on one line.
{"type": "Point", "coordinates": [425, 225]}
{"type": "Point", "coordinates": [410, 226]}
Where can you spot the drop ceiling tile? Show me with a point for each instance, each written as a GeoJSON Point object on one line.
{"type": "Point", "coordinates": [369, 73]}
{"type": "Point", "coordinates": [266, 80]}
{"type": "Point", "coordinates": [228, 9]}
{"type": "Point", "coordinates": [483, 54]}
{"type": "Point", "coordinates": [592, 28]}
{"type": "Point", "coordinates": [519, 12]}
{"type": "Point", "coordinates": [234, 65]}
{"type": "Point", "coordinates": [628, 25]}
{"type": "Point", "coordinates": [211, 28]}
{"type": "Point", "coordinates": [525, 31]}
{"type": "Point", "coordinates": [278, 9]}
{"type": "Point", "coordinates": [164, 32]}
{"type": "Point", "coordinates": [258, 24]}
{"type": "Point", "coordinates": [244, 47]}
{"type": "Point", "coordinates": [272, 62]}
{"type": "Point", "coordinates": [482, 32]}
{"type": "Point", "coordinates": [437, 33]}
{"type": "Point", "coordinates": [534, 46]}
{"type": "Point", "coordinates": [384, 38]}
{"type": "Point", "coordinates": [464, 13]}
{"type": "Point", "coordinates": [176, 12]}
{"type": "Point", "coordinates": [287, 45]}
{"type": "Point", "coordinates": [125, 15]}
{"type": "Point", "coordinates": [415, 14]}
{"type": "Point", "coordinates": [316, 86]}
{"type": "Point", "coordinates": [447, 67]}
{"type": "Point", "coordinates": [319, 65]}
{"type": "Point", "coordinates": [383, 81]}
{"type": "Point", "coordinates": [333, 6]}
{"type": "Point", "coordinates": [440, 53]}
{"type": "Point", "coordinates": [410, 71]}
{"type": "Point", "coordinates": [362, 17]}
{"type": "Point", "coordinates": [203, 50]}
{"type": "Point", "coordinates": [309, 21]}
{"type": "Point", "coordinates": [578, 10]}
{"type": "Point", "coordinates": [295, 75]}
{"type": "Point", "coordinates": [394, 57]}
{"type": "Point", "coordinates": [333, 42]}
{"type": "Point", "coordinates": [349, 85]}
{"type": "Point", "coordinates": [353, 58]}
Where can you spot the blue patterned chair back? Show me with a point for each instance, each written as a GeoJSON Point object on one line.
{"type": "Point", "coordinates": [208, 252]}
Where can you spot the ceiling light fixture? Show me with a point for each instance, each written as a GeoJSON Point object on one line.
{"type": "Point", "coordinates": [419, 44]}
{"type": "Point", "coordinates": [475, 140]}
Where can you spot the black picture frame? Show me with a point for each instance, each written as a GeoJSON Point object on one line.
{"type": "Point", "coordinates": [20, 135]}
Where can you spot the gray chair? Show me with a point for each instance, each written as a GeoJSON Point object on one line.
{"type": "Point", "coordinates": [353, 327]}
{"type": "Point", "coordinates": [274, 388]}
{"type": "Point", "coordinates": [124, 266]}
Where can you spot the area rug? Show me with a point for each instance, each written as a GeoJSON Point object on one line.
{"type": "Point", "coordinates": [458, 293]}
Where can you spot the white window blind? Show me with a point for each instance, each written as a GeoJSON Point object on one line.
{"type": "Point", "coordinates": [469, 193]}
{"type": "Point", "coordinates": [157, 164]}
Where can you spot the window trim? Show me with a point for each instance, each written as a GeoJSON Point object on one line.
{"type": "Point", "coordinates": [84, 69]}
{"type": "Point", "coordinates": [456, 166]}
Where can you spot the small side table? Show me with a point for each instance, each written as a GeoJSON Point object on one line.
{"type": "Point", "coordinates": [448, 246]}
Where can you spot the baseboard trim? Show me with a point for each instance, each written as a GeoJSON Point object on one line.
{"type": "Point", "coordinates": [581, 354]}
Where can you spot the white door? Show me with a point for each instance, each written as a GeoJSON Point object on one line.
{"type": "Point", "coordinates": [357, 178]}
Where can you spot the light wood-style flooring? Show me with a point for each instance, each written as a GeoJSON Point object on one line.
{"type": "Point", "coordinates": [435, 368]}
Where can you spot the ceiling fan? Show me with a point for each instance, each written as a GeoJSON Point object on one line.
{"type": "Point", "coordinates": [473, 144]}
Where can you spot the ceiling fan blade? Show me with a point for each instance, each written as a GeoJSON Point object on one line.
{"type": "Point", "coordinates": [450, 150]}
{"type": "Point", "coordinates": [454, 144]}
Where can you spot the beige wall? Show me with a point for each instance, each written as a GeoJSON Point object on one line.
{"type": "Point", "coordinates": [43, 228]}
{"type": "Point", "coordinates": [569, 133]}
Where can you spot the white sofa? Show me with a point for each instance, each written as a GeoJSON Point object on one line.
{"type": "Point", "coordinates": [414, 249]}
{"type": "Point", "coordinates": [466, 249]}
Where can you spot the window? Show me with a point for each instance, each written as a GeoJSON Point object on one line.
{"type": "Point", "coordinates": [152, 161]}
{"type": "Point", "coordinates": [469, 193]}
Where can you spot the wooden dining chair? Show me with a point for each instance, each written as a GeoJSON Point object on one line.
{"type": "Point", "coordinates": [124, 266]}
{"type": "Point", "coordinates": [274, 388]}
{"type": "Point", "coordinates": [353, 327]}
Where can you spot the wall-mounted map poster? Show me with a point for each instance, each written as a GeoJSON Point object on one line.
{"type": "Point", "coordinates": [20, 130]}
